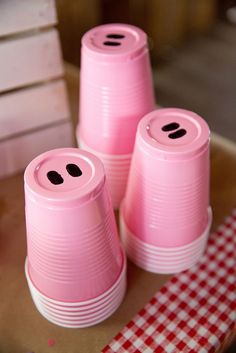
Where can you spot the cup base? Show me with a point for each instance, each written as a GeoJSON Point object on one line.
{"type": "Point", "coordinates": [80, 314]}
{"type": "Point", "coordinates": [163, 260]}
{"type": "Point", "coordinates": [117, 171]}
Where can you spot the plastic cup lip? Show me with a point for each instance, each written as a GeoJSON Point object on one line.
{"type": "Point", "coordinates": [72, 197]}
{"type": "Point", "coordinates": [83, 313]}
{"type": "Point", "coordinates": [124, 53]}
{"type": "Point", "coordinates": [166, 262]}
{"type": "Point", "coordinates": [84, 309]}
{"type": "Point", "coordinates": [164, 270]}
{"type": "Point", "coordinates": [164, 254]}
{"type": "Point", "coordinates": [169, 257]}
{"type": "Point", "coordinates": [151, 146]}
{"type": "Point", "coordinates": [83, 324]}
{"type": "Point", "coordinates": [167, 265]}
{"type": "Point", "coordinates": [47, 314]}
{"type": "Point", "coordinates": [64, 316]}
{"type": "Point", "coordinates": [111, 158]}
{"type": "Point", "coordinates": [170, 250]}
{"type": "Point", "coordinates": [80, 318]}
{"type": "Point", "coordinates": [73, 305]}
{"type": "Point", "coordinates": [89, 301]}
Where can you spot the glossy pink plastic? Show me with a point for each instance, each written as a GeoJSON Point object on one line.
{"type": "Point", "coordinates": [116, 91]}
{"type": "Point", "coordinates": [167, 197]}
{"type": "Point", "coordinates": [117, 171]}
{"type": "Point", "coordinates": [74, 254]}
{"type": "Point", "coordinates": [79, 314]}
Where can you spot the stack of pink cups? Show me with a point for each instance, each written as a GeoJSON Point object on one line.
{"type": "Point", "coordinates": [76, 268]}
{"type": "Point", "coordinates": [116, 91]}
{"type": "Point", "coordinates": [165, 216]}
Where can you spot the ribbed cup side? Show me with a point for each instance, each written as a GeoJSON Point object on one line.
{"type": "Point", "coordinates": [163, 260]}
{"type": "Point", "coordinates": [66, 263]}
{"type": "Point", "coordinates": [113, 98]}
{"type": "Point", "coordinates": [80, 314]}
{"type": "Point", "coordinates": [166, 203]}
{"type": "Point", "coordinates": [112, 129]}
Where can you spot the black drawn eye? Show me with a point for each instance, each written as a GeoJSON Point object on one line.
{"type": "Point", "coordinates": [73, 170]}
{"type": "Point", "coordinates": [54, 177]}
{"type": "Point", "coordinates": [170, 127]}
{"type": "Point", "coordinates": [177, 134]}
{"type": "Point", "coordinates": [111, 44]}
{"type": "Point", "coordinates": [115, 36]}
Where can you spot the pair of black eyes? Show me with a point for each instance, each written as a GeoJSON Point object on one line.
{"type": "Point", "coordinates": [56, 178]}
{"type": "Point", "coordinates": [174, 126]}
{"type": "Point", "coordinates": [111, 43]}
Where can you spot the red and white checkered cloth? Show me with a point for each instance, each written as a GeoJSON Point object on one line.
{"type": "Point", "coordinates": [195, 311]}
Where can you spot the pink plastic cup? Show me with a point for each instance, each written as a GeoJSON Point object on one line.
{"type": "Point", "coordinates": [165, 216]}
{"type": "Point", "coordinates": [79, 314]}
{"type": "Point", "coordinates": [116, 91]}
{"type": "Point", "coordinates": [74, 253]}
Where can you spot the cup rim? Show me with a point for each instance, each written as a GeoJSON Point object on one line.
{"type": "Point", "coordinates": [81, 308]}
{"type": "Point", "coordinates": [165, 249]}
{"type": "Point", "coordinates": [89, 301]}
{"type": "Point", "coordinates": [83, 314]}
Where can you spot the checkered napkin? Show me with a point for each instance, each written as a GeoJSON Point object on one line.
{"type": "Point", "coordinates": [195, 312]}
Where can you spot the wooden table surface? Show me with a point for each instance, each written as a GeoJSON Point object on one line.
{"type": "Point", "coordinates": [22, 328]}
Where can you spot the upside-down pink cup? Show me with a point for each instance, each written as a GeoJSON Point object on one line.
{"type": "Point", "coordinates": [74, 254]}
{"type": "Point", "coordinates": [165, 215]}
{"type": "Point", "coordinates": [116, 91]}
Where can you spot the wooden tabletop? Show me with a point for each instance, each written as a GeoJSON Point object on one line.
{"type": "Point", "coordinates": [22, 328]}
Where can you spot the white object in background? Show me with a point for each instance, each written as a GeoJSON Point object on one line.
{"type": "Point", "coordinates": [32, 108]}
{"type": "Point", "coordinates": [28, 60]}
{"type": "Point", "coordinates": [16, 153]}
{"type": "Point", "coordinates": [34, 111]}
{"type": "Point", "coordinates": [18, 16]}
